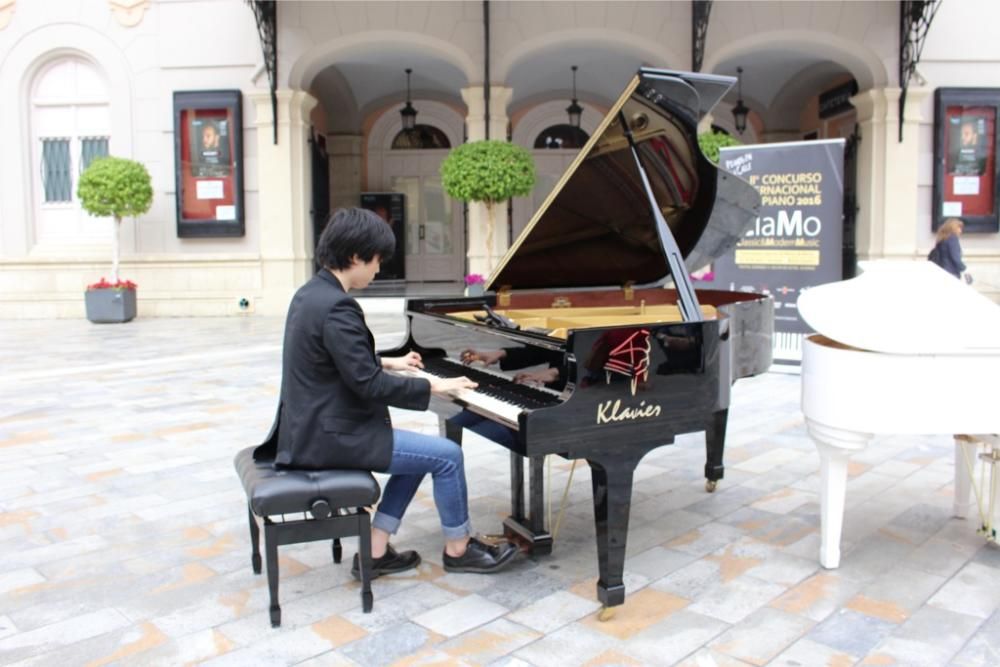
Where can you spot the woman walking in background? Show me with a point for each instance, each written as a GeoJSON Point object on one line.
{"type": "Point", "coordinates": [947, 251]}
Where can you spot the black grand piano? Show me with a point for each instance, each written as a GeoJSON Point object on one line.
{"type": "Point", "coordinates": [599, 282]}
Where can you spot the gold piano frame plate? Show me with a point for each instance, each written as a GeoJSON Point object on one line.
{"type": "Point", "coordinates": [557, 321]}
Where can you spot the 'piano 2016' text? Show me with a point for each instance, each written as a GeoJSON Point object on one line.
{"type": "Point", "coordinates": [612, 411]}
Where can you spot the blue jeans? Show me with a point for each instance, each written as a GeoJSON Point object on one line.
{"type": "Point", "coordinates": [413, 456]}
{"type": "Point", "coordinates": [487, 428]}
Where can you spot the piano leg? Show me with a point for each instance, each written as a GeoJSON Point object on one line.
{"type": "Point", "coordinates": [529, 529]}
{"type": "Point", "coordinates": [612, 487]}
{"type": "Point", "coordinates": [966, 450]}
{"type": "Point", "coordinates": [715, 445]}
{"type": "Point", "coordinates": [835, 447]}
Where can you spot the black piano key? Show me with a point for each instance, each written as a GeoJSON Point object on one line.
{"type": "Point", "coordinates": [491, 385]}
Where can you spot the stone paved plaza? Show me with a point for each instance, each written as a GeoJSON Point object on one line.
{"type": "Point", "coordinates": [123, 534]}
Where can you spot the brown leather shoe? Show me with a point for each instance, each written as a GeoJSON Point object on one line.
{"type": "Point", "coordinates": [480, 558]}
{"type": "Point", "coordinates": [390, 563]}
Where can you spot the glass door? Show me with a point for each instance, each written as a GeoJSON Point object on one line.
{"type": "Point", "coordinates": [434, 241]}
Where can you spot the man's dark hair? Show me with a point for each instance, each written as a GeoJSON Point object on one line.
{"type": "Point", "coordinates": [354, 231]}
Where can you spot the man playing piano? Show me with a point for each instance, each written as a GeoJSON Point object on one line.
{"type": "Point", "coordinates": [335, 398]}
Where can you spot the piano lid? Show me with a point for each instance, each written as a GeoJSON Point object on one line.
{"type": "Point", "coordinates": [901, 307]}
{"type": "Point", "coordinates": [596, 228]}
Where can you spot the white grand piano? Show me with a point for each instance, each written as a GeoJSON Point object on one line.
{"type": "Point", "coordinates": [904, 348]}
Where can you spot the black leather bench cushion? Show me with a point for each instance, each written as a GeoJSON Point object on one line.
{"type": "Point", "coordinates": [273, 491]}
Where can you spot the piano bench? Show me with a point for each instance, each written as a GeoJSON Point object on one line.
{"type": "Point", "coordinates": [332, 505]}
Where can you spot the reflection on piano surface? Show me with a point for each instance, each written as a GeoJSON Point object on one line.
{"type": "Point", "coordinates": [585, 284]}
{"type": "Point", "coordinates": [904, 348]}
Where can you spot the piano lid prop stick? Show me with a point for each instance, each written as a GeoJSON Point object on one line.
{"type": "Point", "coordinates": [690, 308]}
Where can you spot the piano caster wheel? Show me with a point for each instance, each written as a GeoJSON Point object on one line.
{"type": "Point", "coordinates": [711, 484]}
{"type": "Point", "coordinates": [606, 614]}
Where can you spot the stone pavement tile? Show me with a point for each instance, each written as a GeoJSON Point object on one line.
{"type": "Point", "coordinates": [940, 556]}
{"type": "Point", "coordinates": [122, 646]}
{"type": "Point", "coordinates": [691, 581]}
{"type": "Point", "coordinates": [460, 615]}
{"type": "Point", "coordinates": [194, 648]}
{"type": "Point", "coordinates": [510, 661]}
{"type": "Point", "coordinates": [777, 529]}
{"type": "Point", "coordinates": [488, 643]}
{"type": "Point", "coordinates": [49, 638]}
{"type": "Point", "coordinates": [918, 522]}
{"type": "Point", "coordinates": [808, 653]}
{"type": "Point", "coordinates": [983, 649]}
{"type": "Point", "coordinates": [641, 610]}
{"type": "Point", "coordinates": [735, 600]}
{"type": "Point", "coordinates": [517, 587]}
{"type": "Point", "coordinates": [38, 555]}
{"type": "Point", "coordinates": [19, 578]}
{"type": "Point", "coordinates": [707, 657]}
{"type": "Point", "coordinates": [657, 562]}
{"type": "Point", "coordinates": [673, 638]}
{"type": "Point", "coordinates": [783, 500]}
{"type": "Point", "coordinates": [7, 627]}
{"type": "Point", "coordinates": [726, 500]}
{"type": "Point", "coordinates": [770, 460]}
{"type": "Point", "coordinates": [404, 605]}
{"type": "Point", "coordinates": [988, 554]}
{"type": "Point", "coordinates": [896, 594]}
{"type": "Point", "coordinates": [871, 558]}
{"type": "Point", "coordinates": [929, 638]}
{"type": "Point", "coordinates": [286, 647]}
{"type": "Point", "coordinates": [784, 569]}
{"type": "Point", "coordinates": [762, 635]}
{"type": "Point", "coordinates": [851, 632]}
{"type": "Point", "coordinates": [554, 611]}
{"type": "Point", "coordinates": [328, 659]}
{"type": "Point", "coordinates": [974, 590]}
{"type": "Point", "coordinates": [391, 645]}
{"type": "Point", "coordinates": [704, 539]}
{"type": "Point", "coordinates": [818, 596]}
{"type": "Point", "coordinates": [574, 644]}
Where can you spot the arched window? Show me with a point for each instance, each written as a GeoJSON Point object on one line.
{"type": "Point", "coordinates": [561, 136]}
{"type": "Point", "coordinates": [72, 124]}
{"type": "Point", "coordinates": [70, 127]}
{"type": "Point", "coordinates": [421, 136]}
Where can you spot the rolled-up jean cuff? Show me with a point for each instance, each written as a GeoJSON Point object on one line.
{"type": "Point", "coordinates": [389, 524]}
{"type": "Point", "coordinates": [458, 532]}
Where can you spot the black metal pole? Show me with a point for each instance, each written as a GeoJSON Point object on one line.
{"type": "Point", "coordinates": [486, 63]}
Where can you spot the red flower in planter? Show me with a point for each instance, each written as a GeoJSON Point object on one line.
{"type": "Point", "coordinates": [119, 285]}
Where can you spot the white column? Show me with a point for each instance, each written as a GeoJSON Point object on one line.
{"type": "Point", "coordinates": [284, 174]}
{"type": "Point", "coordinates": [478, 215]}
{"type": "Point", "coordinates": [345, 169]}
{"type": "Point", "coordinates": [887, 173]}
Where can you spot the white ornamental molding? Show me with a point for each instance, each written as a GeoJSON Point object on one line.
{"type": "Point", "coordinates": [128, 12]}
{"type": "Point", "coordinates": [6, 12]}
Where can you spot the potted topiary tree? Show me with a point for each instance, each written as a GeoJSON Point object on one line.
{"type": "Point", "coordinates": [116, 187]}
{"type": "Point", "coordinates": [489, 172]}
{"type": "Point", "coordinates": [711, 142]}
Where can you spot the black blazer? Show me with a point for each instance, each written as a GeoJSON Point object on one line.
{"type": "Point", "coordinates": [333, 411]}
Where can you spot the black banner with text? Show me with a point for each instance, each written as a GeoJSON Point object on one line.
{"type": "Point", "coordinates": [796, 242]}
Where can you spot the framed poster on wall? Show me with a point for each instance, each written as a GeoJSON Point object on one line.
{"type": "Point", "coordinates": [208, 163]}
{"type": "Point", "coordinates": [391, 207]}
{"type": "Point", "coordinates": [966, 173]}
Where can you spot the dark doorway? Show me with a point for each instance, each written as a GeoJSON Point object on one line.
{"type": "Point", "coordinates": [851, 204]}
{"type": "Point", "coordinates": [320, 207]}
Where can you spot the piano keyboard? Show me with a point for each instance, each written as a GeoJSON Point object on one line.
{"type": "Point", "coordinates": [497, 396]}
{"type": "Point", "coordinates": [787, 347]}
